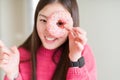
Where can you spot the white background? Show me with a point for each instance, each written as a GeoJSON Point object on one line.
{"type": "Point", "coordinates": [100, 18]}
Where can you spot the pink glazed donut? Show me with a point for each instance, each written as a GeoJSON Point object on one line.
{"type": "Point", "coordinates": [56, 22]}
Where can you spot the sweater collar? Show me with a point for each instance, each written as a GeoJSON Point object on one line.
{"type": "Point", "coordinates": [48, 52]}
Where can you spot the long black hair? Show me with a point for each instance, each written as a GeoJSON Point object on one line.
{"type": "Point", "coordinates": [33, 42]}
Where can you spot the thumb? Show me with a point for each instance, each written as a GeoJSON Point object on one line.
{"type": "Point", "coordinates": [71, 35]}
{"type": "Point", "coordinates": [15, 53]}
{"type": "Point", "coordinates": [14, 50]}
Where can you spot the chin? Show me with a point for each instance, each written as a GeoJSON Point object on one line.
{"type": "Point", "coordinates": [50, 47]}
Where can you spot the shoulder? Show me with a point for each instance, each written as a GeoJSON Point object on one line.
{"type": "Point", "coordinates": [88, 53]}
{"type": "Point", "coordinates": [89, 56]}
{"type": "Point", "coordinates": [87, 50]}
{"type": "Point", "coordinates": [24, 54]}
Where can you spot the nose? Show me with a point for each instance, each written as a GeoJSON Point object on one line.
{"type": "Point", "coordinates": [49, 31]}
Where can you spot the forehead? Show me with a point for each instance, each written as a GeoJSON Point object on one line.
{"type": "Point", "coordinates": [50, 8]}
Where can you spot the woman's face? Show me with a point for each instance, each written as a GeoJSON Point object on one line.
{"type": "Point", "coordinates": [49, 41]}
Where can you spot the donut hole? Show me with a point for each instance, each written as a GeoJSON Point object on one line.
{"type": "Point", "coordinates": [60, 23]}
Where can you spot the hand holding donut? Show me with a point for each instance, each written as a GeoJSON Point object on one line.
{"type": "Point", "coordinates": [9, 60]}
{"type": "Point", "coordinates": [77, 41]}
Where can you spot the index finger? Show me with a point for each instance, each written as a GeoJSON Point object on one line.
{"type": "Point", "coordinates": [80, 30]}
{"type": "Point", "coordinates": [1, 44]}
{"type": "Point", "coordinates": [67, 27]}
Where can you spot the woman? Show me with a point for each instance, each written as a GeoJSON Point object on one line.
{"type": "Point", "coordinates": [45, 57]}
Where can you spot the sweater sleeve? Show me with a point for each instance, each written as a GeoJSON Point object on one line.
{"type": "Point", "coordinates": [18, 78]}
{"type": "Point", "coordinates": [88, 71]}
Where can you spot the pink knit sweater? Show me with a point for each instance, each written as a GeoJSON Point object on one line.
{"type": "Point", "coordinates": [46, 67]}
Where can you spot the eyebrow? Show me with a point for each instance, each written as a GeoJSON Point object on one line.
{"type": "Point", "coordinates": [42, 15]}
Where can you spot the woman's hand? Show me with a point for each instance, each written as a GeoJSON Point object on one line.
{"type": "Point", "coordinates": [9, 60]}
{"type": "Point", "coordinates": [77, 41]}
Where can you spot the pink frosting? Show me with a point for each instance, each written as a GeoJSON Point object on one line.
{"type": "Point", "coordinates": [56, 22]}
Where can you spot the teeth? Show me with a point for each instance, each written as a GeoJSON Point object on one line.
{"type": "Point", "coordinates": [50, 39]}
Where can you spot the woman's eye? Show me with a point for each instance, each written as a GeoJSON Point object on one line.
{"type": "Point", "coordinates": [43, 20]}
{"type": "Point", "coordinates": [60, 23]}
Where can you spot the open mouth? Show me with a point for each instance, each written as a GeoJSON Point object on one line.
{"type": "Point", "coordinates": [50, 38]}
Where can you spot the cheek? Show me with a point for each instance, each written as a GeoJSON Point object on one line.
{"type": "Point", "coordinates": [40, 29]}
{"type": "Point", "coordinates": [65, 36]}
{"type": "Point", "coordinates": [63, 39]}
